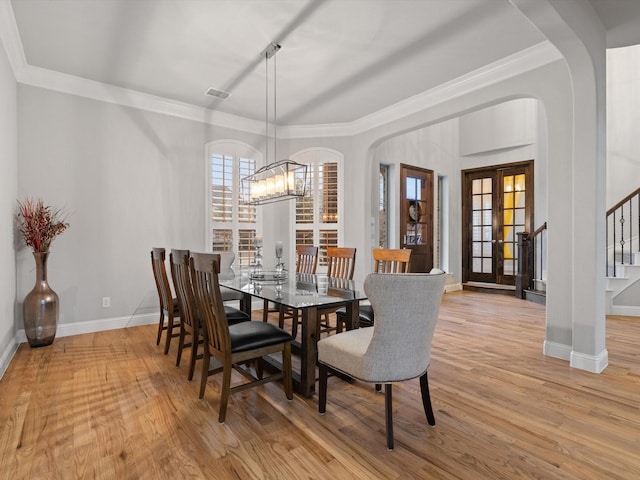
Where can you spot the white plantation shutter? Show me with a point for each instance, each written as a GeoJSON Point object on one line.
{"type": "Point", "coordinates": [232, 226]}
{"type": "Point", "coordinates": [221, 188]}
{"type": "Point", "coordinates": [318, 219]}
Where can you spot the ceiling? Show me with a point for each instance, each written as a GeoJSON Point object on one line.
{"type": "Point", "coordinates": [340, 61]}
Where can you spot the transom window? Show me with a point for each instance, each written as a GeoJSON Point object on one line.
{"type": "Point", "coordinates": [232, 226]}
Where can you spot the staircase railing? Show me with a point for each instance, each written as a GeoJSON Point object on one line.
{"type": "Point", "coordinates": [531, 257]}
{"type": "Point", "coordinates": [622, 235]}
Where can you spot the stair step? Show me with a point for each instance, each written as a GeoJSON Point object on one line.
{"type": "Point", "coordinates": [536, 296]}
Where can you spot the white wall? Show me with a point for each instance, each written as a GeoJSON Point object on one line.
{"type": "Point", "coordinates": [8, 187]}
{"type": "Point", "coordinates": [131, 180]}
{"type": "Point", "coordinates": [623, 122]}
{"type": "Point", "coordinates": [509, 132]}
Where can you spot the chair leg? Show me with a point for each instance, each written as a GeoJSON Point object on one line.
{"type": "Point", "coordinates": [205, 371]}
{"type": "Point", "coordinates": [194, 356]}
{"type": "Point", "coordinates": [426, 399]}
{"type": "Point", "coordinates": [259, 366]}
{"type": "Point", "coordinates": [169, 333]}
{"type": "Point", "coordinates": [265, 311]}
{"type": "Point", "coordinates": [388, 414]}
{"type": "Point", "coordinates": [340, 322]}
{"type": "Point", "coordinates": [322, 388]}
{"type": "Point", "coordinates": [226, 391]}
{"type": "Point", "coordinates": [180, 345]}
{"type": "Point", "coordinates": [378, 387]}
{"type": "Point", "coordinates": [286, 370]}
{"type": "Point", "coordinates": [160, 326]}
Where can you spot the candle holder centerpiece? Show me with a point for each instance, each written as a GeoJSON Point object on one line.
{"type": "Point", "coordinates": [279, 263]}
{"type": "Point", "coordinates": [257, 264]}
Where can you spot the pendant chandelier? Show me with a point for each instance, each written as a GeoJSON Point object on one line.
{"type": "Point", "coordinates": [278, 180]}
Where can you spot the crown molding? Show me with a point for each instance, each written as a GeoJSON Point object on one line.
{"type": "Point", "coordinates": [62, 82]}
{"type": "Point", "coordinates": [11, 39]}
{"type": "Point", "coordinates": [516, 64]}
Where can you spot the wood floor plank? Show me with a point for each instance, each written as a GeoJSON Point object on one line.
{"type": "Point", "coordinates": [112, 405]}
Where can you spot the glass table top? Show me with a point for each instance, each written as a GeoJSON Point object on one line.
{"type": "Point", "coordinates": [296, 290]}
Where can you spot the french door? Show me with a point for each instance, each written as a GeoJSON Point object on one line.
{"type": "Point", "coordinates": [497, 203]}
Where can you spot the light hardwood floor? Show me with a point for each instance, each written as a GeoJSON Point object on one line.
{"type": "Point", "coordinates": [111, 405]}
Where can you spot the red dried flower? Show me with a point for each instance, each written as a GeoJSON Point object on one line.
{"type": "Point", "coordinates": [40, 224]}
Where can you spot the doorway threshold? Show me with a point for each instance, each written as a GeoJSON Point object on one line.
{"type": "Point", "coordinates": [487, 287]}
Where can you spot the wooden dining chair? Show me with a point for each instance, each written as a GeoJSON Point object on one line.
{"type": "Point", "coordinates": [342, 264]}
{"type": "Point", "coordinates": [190, 324]}
{"type": "Point", "coordinates": [306, 262]}
{"type": "Point", "coordinates": [396, 348]}
{"type": "Point", "coordinates": [385, 260]}
{"type": "Point", "coordinates": [235, 345]}
{"type": "Point", "coordinates": [169, 306]}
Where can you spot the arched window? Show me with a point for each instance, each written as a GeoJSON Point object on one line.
{"type": "Point", "coordinates": [318, 217]}
{"type": "Point", "coordinates": [231, 225]}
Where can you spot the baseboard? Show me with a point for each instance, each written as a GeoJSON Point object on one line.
{"type": "Point", "coordinates": [590, 363]}
{"type": "Point", "coordinates": [624, 310]}
{"type": "Point", "coordinates": [452, 287]}
{"type": "Point", "coordinates": [100, 325]}
{"type": "Point", "coordinates": [557, 350]}
{"type": "Point", "coordinates": [8, 354]}
{"type": "Point", "coordinates": [583, 361]}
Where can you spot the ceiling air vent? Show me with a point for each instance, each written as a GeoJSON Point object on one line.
{"type": "Point", "coordinates": [214, 92]}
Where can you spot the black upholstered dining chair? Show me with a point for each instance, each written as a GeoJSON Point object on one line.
{"type": "Point", "coordinates": [306, 262]}
{"type": "Point", "coordinates": [190, 324]}
{"type": "Point", "coordinates": [169, 307]}
{"type": "Point", "coordinates": [235, 345]}
{"type": "Point", "coordinates": [342, 264]}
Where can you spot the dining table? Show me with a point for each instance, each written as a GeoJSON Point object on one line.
{"type": "Point", "coordinates": [308, 293]}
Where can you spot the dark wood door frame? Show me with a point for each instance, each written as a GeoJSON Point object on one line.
{"type": "Point", "coordinates": [497, 173]}
{"type": "Point", "coordinates": [417, 215]}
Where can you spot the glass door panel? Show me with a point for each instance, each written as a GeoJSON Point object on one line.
{"type": "Point", "coordinates": [481, 224]}
{"type": "Point", "coordinates": [416, 216]}
{"type": "Point", "coordinates": [514, 193]}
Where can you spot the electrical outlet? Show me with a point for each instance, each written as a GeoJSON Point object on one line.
{"type": "Point", "coordinates": [106, 302]}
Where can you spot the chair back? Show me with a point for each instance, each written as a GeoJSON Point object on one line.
{"type": "Point", "coordinates": [407, 308]}
{"type": "Point", "coordinates": [342, 262]}
{"type": "Point", "coordinates": [306, 259]}
{"type": "Point", "coordinates": [179, 260]}
{"type": "Point", "coordinates": [391, 260]}
{"type": "Point", "coordinates": [158, 257]}
{"type": "Point", "coordinates": [226, 260]}
{"type": "Point", "coordinates": [204, 268]}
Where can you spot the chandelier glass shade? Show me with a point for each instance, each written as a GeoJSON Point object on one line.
{"type": "Point", "coordinates": [277, 181]}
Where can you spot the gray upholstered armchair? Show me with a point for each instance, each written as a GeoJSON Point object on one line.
{"type": "Point", "coordinates": [397, 348]}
